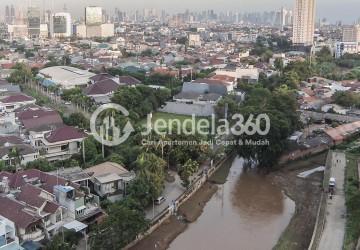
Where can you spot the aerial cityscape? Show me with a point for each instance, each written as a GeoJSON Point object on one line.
{"type": "Point", "coordinates": [153, 125]}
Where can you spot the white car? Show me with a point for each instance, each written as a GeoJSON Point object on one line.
{"type": "Point", "coordinates": [160, 200]}
{"type": "Point", "coordinates": [332, 182]}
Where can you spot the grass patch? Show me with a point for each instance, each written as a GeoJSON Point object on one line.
{"type": "Point", "coordinates": [171, 118]}
{"type": "Point", "coordinates": [352, 197]}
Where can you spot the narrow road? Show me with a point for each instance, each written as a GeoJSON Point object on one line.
{"type": "Point", "coordinates": [333, 235]}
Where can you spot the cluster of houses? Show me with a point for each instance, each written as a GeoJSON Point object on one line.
{"type": "Point", "coordinates": [35, 205]}
{"type": "Point", "coordinates": [317, 94]}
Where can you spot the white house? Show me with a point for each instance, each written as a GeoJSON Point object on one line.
{"type": "Point", "coordinates": [59, 144]}
{"type": "Point", "coordinates": [12, 102]}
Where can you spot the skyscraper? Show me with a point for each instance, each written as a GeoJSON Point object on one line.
{"type": "Point", "coordinates": [351, 33]}
{"type": "Point", "coordinates": [33, 16]}
{"type": "Point", "coordinates": [304, 22]}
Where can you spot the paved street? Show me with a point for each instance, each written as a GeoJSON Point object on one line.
{"type": "Point", "coordinates": [333, 234]}
{"type": "Point", "coordinates": [171, 192]}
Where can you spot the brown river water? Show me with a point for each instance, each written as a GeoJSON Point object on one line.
{"type": "Point", "coordinates": [248, 212]}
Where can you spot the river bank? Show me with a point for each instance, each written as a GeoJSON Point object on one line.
{"type": "Point", "coordinates": [297, 235]}
{"type": "Point", "coordinates": [171, 228]}
{"type": "Point", "coordinates": [306, 194]}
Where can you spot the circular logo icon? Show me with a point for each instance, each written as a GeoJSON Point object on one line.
{"type": "Point", "coordinates": [117, 135]}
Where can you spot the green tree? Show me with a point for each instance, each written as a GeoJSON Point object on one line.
{"type": "Point", "coordinates": [151, 168]}
{"type": "Point", "coordinates": [21, 74]}
{"type": "Point", "coordinates": [41, 164]}
{"type": "Point", "coordinates": [279, 65]}
{"type": "Point", "coordinates": [121, 226]}
{"type": "Point", "coordinates": [78, 120]}
{"type": "Point", "coordinates": [91, 150]}
{"type": "Point", "coordinates": [187, 171]}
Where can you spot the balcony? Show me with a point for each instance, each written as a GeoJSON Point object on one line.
{"type": "Point", "coordinates": [36, 235]}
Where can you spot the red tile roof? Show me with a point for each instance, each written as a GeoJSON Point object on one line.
{"type": "Point", "coordinates": [103, 87]}
{"type": "Point", "coordinates": [223, 78]}
{"type": "Point", "coordinates": [10, 139]}
{"type": "Point", "coordinates": [15, 211]}
{"type": "Point", "coordinates": [31, 196]}
{"type": "Point", "coordinates": [17, 98]}
{"type": "Point", "coordinates": [64, 133]}
{"type": "Point", "coordinates": [101, 77]}
{"type": "Point", "coordinates": [47, 181]}
{"type": "Point", "coordinates": [128, 80]}
{"type": "Point", "coordinates": [33, 118]}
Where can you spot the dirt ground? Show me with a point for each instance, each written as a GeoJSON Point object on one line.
{"type": "Point", "coordinates": [162, 237]}
{"type": "Point", "coordinates": [193, 208]}
{"type": "Point", "coordinates": [297, 236]}
{"type": "Point", "coordinates": [306, 195]}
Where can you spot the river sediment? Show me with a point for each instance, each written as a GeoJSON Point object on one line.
{"type": "Point", "coordinates": [251, 206]}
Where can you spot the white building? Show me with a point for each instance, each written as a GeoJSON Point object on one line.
{"type": "Point", "coordinates": [342, 48]}
{"type": "Point", "coordinates": [60, 25]}
{"type": "Point", "coordinates": [351, 33]}
{"type": "Point", "coordinates": [59, 144]}
{"type": "Point", "coordinates": [304, 22]}
{"type": "Point", "coordinates": [107, 30]}
{"type": "Point", "coordinates": [81, 31]}
{"type": "Point", "coordinates": [249, 74]}
{"type": "Point", "coordinates": [17, 31]}
{"type": "Point", "coordinates": [194, 40]}
{"type": "Point", "coordinates": [64, 76]}
{"type": "Point", "coordinates": [8, 238]}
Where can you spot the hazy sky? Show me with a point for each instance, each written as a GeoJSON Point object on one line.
{"type": "Point", "coordinates": [345, 10]}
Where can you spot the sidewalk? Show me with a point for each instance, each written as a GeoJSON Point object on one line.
{"type": "Point", "coordinates": [333, 234]}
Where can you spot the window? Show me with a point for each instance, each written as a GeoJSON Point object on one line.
{"type": "Point", "coordinates": [65, 147]}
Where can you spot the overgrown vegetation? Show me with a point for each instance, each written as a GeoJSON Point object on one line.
{"type": "Point", "coordinates": [352, 197]}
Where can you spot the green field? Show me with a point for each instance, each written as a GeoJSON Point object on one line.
{"type": "Point", "coordinates": [171, 118]}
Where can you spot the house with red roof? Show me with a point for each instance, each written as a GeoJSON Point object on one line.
{"type": "Point", "coordinates": [35, 118]}
{"type": "Point", "coordinates": [12, 102]}
{"type": "Point", "coordinates": [27, 222]}
{"type": "Point", "coordinates": [60, 143]}
{"type": "Point", "coordinates": [53, 198]}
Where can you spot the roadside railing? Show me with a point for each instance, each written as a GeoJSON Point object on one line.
{"type": "Point", "coordinates": [321, 213]}
{"type": "Point", "coordinates": [168, 211]}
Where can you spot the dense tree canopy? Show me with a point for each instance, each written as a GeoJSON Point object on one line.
{"type": "Point", "coordinates": [280, 106]}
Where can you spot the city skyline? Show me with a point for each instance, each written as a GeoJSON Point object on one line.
{"type": "Point", "coordinates": [330, 9]}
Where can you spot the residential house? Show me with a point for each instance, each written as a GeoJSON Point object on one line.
{"type": "Point", "coordinates": [19, 153]}
{"type": "Point", "coordinates": [128, 81]}
{"type": "Point", "coordinates": [38, 119]}
{"type": "Point", "coordinates": [12, 102]}
{"type": "Point", "coordinates": [247, 74]}
{"type": "Point", "coordinates": [58, 144]}
{"type": "Point", "coordinates": [27, 222]}
{"type": "Point", "coordinates": [6, 88]}
{"type": "Point", "coordinates": [45, 205]}
{"type": "Point", "coordinates": [110, 180]}
{"type": "Point", "coordinates": [203, 86]}
{"type": "Point", "coordinates": [8, 238]}
{"type": "Point", "coordinates": [74, 202]}
{"type": "Point", "coordinates": [102, 90]}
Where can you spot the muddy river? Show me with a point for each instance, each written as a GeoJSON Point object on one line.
{"type": "Point", "coordinates": [248, 212]}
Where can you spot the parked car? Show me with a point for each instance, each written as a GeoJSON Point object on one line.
{"type": "Point", "coordinates": [160, 200]}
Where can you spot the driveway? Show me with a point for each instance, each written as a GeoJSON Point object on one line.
{"type": "Point", "coordinates": [171, 192]}
{"type": "Point", "coordinates": [333, 235]}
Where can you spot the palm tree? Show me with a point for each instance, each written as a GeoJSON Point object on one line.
{"type": "Point", "coordinates": [15, 155]}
